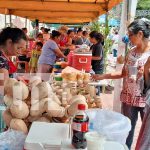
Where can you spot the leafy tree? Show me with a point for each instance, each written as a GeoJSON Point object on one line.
{"type": "Point", "coordinates": [143, 5]}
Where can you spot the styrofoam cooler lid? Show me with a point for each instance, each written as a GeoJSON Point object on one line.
{"type": "Point", "coordinates": [43, 134]}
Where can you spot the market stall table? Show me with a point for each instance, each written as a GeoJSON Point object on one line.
{"type": "Point", "coordinates": [57, 136]}
{"type": "Point", "coordinates": [102, 83]}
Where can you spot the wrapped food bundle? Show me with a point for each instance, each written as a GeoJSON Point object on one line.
{"type": "Point", "coordinates": [71, 74]}
{"type": "Point", "coordinates": [44, 102]}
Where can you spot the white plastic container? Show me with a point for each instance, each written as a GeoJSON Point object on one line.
{"type": "Point", "coordinates": [95, 141]}
{"type": "Point", "coordinates": [43, 136]}
{"type": "Point", "coordinates": [113, 125]}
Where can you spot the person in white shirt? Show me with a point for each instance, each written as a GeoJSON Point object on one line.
{"type": "Point", "coordinates": [115, 41]}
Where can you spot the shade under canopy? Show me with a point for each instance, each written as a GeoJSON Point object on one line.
{"type": "Point", "coordinates": [58, 11]}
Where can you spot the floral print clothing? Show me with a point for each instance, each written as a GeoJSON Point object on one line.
{"type": "Point", "coordinates": [132, 85]}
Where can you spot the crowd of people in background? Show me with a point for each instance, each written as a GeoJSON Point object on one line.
{"type": "Point", "coordinates": [43, 48]}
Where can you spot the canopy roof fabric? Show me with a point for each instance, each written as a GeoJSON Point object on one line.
{"type": "Point", "coordinates": [58, 11]}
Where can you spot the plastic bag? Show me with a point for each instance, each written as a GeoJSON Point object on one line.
{"type": "Point", "coordinates": [12, 140]}
{"type": "Point", "coordinates": [113, 125]}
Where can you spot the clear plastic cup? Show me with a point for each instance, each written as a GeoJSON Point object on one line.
{"type": "Point", "coordinates": [95, 141]}
{"type": "Point", "coordinates": [132, 70]}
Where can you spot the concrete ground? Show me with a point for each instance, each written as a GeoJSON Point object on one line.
{"type": "Point", "coordinates": [107, 100]}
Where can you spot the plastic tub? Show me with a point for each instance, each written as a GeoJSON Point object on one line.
{"type": "Point", "coordinates": [113, 125]}
{"type": "Point", "coordinates": [95, 141]}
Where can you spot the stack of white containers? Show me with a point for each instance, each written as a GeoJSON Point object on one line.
{"type": "Point", "coordinates": [47, 136]}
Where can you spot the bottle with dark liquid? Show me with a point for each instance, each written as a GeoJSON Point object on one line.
{"type": "Point", "coordinates": [80, 128]}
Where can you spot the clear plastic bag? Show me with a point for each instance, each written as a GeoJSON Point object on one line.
{"type": "Point", "coordinates": [12, 140]}
{"type": "Point", "coordinates": [113, 125]}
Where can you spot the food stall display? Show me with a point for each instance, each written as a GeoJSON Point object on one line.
{"type": "Point", "coordinates": [47, 102]}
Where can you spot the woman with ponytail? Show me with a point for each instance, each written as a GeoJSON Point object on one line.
{"type": "Point", "coordinates": [97, 52]}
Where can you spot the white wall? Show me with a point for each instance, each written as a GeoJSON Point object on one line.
{"type": "Point", "coordinates": [19, 21]}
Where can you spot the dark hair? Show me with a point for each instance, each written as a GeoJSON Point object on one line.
{"type": "Point", "coordinates": [140, 25]}
{"type": "Point", "coordinates": [116, 32]}
{"type": "Point", "coordinates": [55, 34]}
{"type": "Point", "coordinates": [24, 29]}
{"type": "Point", "coordinates": [80, 30]}
{"type": "Point", "coordinates": [41, 28]}
{"type": "Point", "coordinates": [69, 32]}
{"type": "Point", "coordinates": [15, 34]}
{"type": "Point", "coordinates": [46, 30]}
{"type": "Point", "coordinates": [39, 44]}
{"type": "Point", "coordinates": [85, 33]}
{"type": "Point", "coordinates": [39, 35]}
{"type": "Point", "coordinates": [98, 36]}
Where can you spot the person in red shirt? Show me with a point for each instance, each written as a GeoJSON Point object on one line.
{"type": "Point", "coordinates": [63, 38]}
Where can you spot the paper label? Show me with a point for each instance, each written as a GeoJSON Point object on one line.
{"type": "Point", "coordinates": [81, 127]}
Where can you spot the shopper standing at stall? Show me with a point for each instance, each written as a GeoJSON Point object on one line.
{"type": "Point", "coordinates": [133, 101]}
{"type": "Point", "coordinates": [97, 52]}
{"type": "Point", "coordinates": [85, 38]}
{"type": "Point", "coordinates": [97, 55]}
{"type": "Point", "coordinates": [49, 52]}
{"type": "Point", "coordinates": [63, 38]}
{"type": "Point", "coordinates": [35, 56]}
{"type": "Point", "coordinates": [115, 41]}
{"type": "Point", "coordinates": [70, 36]}
{"type": "Point", "coordinates": [77, 39]}
{"type": "Point", "coordinates": [46, 34]}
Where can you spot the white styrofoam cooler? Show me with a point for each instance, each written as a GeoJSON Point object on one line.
{"type": "Point", "coordinates": [44, 136]}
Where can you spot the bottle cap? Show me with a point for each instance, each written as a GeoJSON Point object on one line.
{"type": "Point", "coordinates": [81, 107]}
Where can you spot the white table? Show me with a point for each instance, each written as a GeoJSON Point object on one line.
{"type": "Point", "coordinates": [102, 83]}
{"type": "Point", "coordinates": [49, 136]}
{"type": "Point", "coordinates": [109, 145]}
{"type": "Point", "coordinates": [99, 83]}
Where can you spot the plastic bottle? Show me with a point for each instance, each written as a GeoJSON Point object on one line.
{"type": "Point", "coordinates": [80, 128]}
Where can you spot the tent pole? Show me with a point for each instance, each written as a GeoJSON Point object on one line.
{"type": "Point", "coordinates": [5, 20]}
{"type": "Point", "coordinates": [10, 20]}
{"type": "Point", "coordinates": [29, 25]}
{"type": "Point", "coordinates": [106, 19]}
{"type": "Point", "coordinates": [106, 25]}
{"type": "Point", "coordinates": [26, 22]}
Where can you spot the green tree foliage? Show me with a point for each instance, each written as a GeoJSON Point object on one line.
{"type": "Point", "coordinates": [95, 26]}
{"type": "Point", "coordinates": [143, 5]}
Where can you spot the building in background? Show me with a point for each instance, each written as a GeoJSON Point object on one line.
{"type": "Point", "coordinates": [15, 22]}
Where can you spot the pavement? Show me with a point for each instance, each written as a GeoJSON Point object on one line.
{"type": "Point", "coordinates": [107, 101]}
